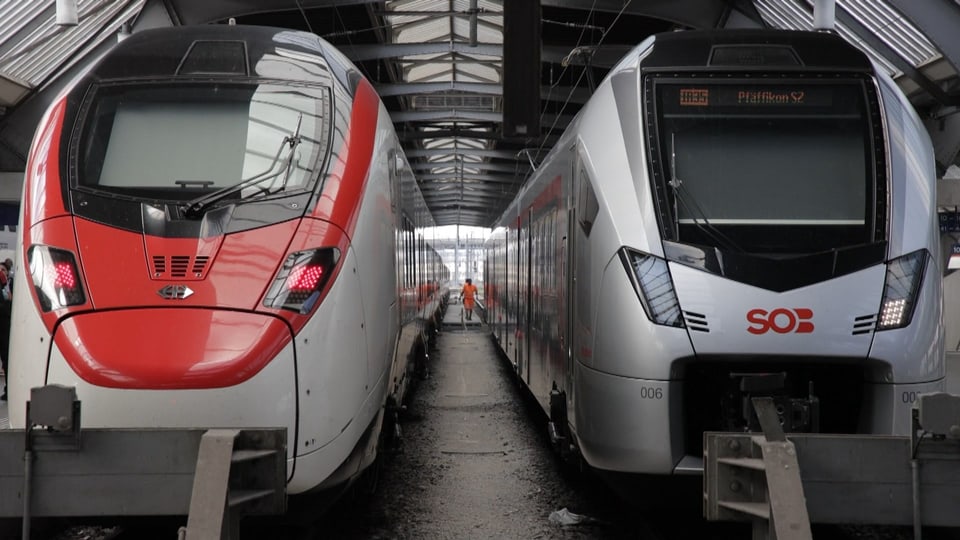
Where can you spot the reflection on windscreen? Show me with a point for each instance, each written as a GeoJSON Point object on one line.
{"type": "Point", "coordinates": [155, 144]}
{"type": "Point", "coordinates": [183, 139]}
{"type": "Point", "coordinates": [770, 172]}
{"type": "Point", "coordinates": [768, 167]}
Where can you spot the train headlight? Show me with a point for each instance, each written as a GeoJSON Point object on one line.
{"type": "Point", "coordinates": [300, 281]}
{"type": "Point", "coordinates": [900, 288]}
{"type": "Point", "coordinates": [55, 277]}
{"type": "Point", "coordinates": [653, 284]}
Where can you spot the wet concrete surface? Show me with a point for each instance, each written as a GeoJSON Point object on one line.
{"type": "Point", "coordinates": [476, 463]}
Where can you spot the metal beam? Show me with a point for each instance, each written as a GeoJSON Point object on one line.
{"type": "Point", "coordinates": [693, 13]}
{"type": "Point", "coordinates": [607, 56]}
{"type": "Point", "coordinates": [380, 52]}
{"type": "Point", "coordinates": [475, 199]}
{"type": "Point", "coordinates": [193, 12]}
{"type": "Point", "coordinates": [465, 13]}
{"type": "Point", "coordinates": [546, 141]}
{"type": "Point", "coordinates": [498, 178]}
{"type": "Point", "coordinates": [520, 167]}
{"type": "Point", "coordinates": [499, 154]}
{"type": "Point", "coordinates": [448, 134]}
{"type": "Point", "coordinates": [406, 89]}
{"type": "Point", "coordinates": [552, 93]}
{"type": "Point", "coordinates": [451, 115]}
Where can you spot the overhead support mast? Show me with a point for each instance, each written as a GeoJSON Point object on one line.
{"type": "Point", "coordinates": [824, 15]}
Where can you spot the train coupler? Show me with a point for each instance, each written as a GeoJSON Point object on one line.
{"type": "Point", "coordinates": [795, 414]}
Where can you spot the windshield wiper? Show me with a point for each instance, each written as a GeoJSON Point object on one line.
{"type": "Point", "coordinates": [201, 183]}
{"type": "Point", "coordinates": [198, 206]}
{"type": "Point", "coordinates": [683, 196]}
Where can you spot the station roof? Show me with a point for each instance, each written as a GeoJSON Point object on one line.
{"type": "Point", "coordinates": [439, 65]}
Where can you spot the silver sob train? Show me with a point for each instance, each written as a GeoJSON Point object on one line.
{"type": "Point", "coordinates": [732, 214]}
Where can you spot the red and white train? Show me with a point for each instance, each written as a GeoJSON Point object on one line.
{"type": "Point", "coordinates": [221, 230]}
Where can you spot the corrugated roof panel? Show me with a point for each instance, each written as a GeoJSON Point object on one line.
{"type": "Point", "coordinates": [478, 73]}
{"type": "Point", "coordinates": [17, 15]}
{"type": "Point", "coordinates": [49, 48]}
{"type": "Point", "coordinates": [891, 27]}
{"type": "Point", "coordinates": [418, 5]}
{"type": "Point", "coordinates": [441, 71]}
{"type": "Point", "coordinates": [797, 15]}
{"type": "Point", "coordinates": [426, 30]}
{"type": "Point", "coordinates": [784, 14]}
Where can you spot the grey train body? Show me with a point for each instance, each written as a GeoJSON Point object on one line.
{"type": "Point", "coordinates": [732, 214]}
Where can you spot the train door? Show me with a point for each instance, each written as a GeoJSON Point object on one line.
{"type": "Point", "coordinates": [523, 296]}
{"type": "Point", "coordinates": [504, 293]}
{"type": "Point", "coordinates": [526, 254]}
{"type": "Point", "coordinates": [513, 294]}
{"type": "Point", "coordinates": [579, 307]}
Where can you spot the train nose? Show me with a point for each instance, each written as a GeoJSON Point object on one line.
{"type": "Point", "coordinates": [180, 348]}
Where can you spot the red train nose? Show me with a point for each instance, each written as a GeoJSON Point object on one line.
{"type": "Point", "coordinates": [181, 348]}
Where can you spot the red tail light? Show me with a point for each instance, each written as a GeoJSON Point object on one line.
{"type": "Point", "coordinates": [305, 278]}
{"type": "Point", "coordinates": [55, 277]}
{"type": "Point", "coordinates": [300, 281]}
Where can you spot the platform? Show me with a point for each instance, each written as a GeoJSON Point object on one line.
{"type": "Point", "coordinates": [455, 316]}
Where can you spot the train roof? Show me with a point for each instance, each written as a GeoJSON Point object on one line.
{"type": "Point", "coordinates": [214, 51]}
{"type": "Point", "coordinates": [747, 50]}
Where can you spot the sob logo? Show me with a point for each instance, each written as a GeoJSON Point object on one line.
{"type": "Point", "coordinates": [780, 320]}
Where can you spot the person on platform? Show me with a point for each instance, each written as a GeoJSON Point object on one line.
{"type": "Point", "coordinates": [468, 295]}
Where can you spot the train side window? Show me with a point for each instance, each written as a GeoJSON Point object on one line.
{"type": "Point", "coordinates": [587, 207]}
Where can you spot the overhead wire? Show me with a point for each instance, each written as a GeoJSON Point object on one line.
{"type": "Point", "coordinates": [304, 15]}
{"type": "Point", "coordinates": [580, 78]}
{"type": "Point", "coordinates": [583, 30]}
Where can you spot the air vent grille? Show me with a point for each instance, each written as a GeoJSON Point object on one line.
{"type": "Point", "coordinates": [159, 265]}
{"type": "Point", "coordinates": [696, 322]}
{"type": "Point", "coordinates": [179, 266]}
{"type": "Point", "coordinates": [864, 324]}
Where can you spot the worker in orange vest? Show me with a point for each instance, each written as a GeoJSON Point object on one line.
{"type": "Point", "coordinates": [469, 296]}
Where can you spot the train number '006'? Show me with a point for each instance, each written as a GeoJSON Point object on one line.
{"type": "Point", "coordinates": [780, 320]}
{"type": "Point", "coordinates": [649, 392]}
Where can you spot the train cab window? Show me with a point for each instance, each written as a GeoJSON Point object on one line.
{"type": "Point", "coordinates": [175, 142]}
{"type": "Point", "coordinates": [776, 168]}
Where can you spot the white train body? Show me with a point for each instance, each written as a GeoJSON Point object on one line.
{"type": "Point", "coordinates": [732, 214]}
{"type": "Point", "coordinates": [299, 299]}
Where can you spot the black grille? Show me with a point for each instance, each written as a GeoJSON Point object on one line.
{"type": "Point", "coordinates": [696, 322]}
{"type": "Point", "coordinates": [179, 266]}
{"type": "Point", "coordinates": [200, 264]}
{"type": "Point", "coordinates": [864, 324]}
{"type": "Point", "coordinates": [159, 265]}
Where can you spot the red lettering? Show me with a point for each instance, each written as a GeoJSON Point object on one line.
{"type": "Point", "coordinates": [780, 320]}
{"type": "Point", "coordinates": [804, 326]}
{"type": "Point", "coordinates": [791, 320]}
{"type": "Point", "coordinates": [758, 317]}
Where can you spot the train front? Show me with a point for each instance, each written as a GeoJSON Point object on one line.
{"type": "Point", "coordinates": [178, 264]}
{"type": "Point", "coordinates": [792, 251]}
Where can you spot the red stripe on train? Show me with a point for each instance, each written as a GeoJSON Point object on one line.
{"type": "Point", "coordinates": [343, 190]}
